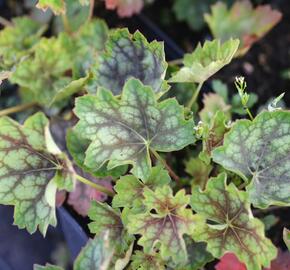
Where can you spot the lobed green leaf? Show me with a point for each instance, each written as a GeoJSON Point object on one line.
{"type": "Point", "coordinates": [229, 225]}
{"type": "Point", "coordinates": [17, 40]}
{"type": "Point", "coordinates": [259, 152]}
{"type": "Point", "coordinates": [44, 73]}
{"type": "Point", "coordinates": [130, 190]}
{"type": "Point", "coordinates": [164, 223]}
{"type": "Point", "coordinates": [123, 131]}
{"type": "Point", "coordinates": [205, 61]}
{"type": "Point", "coordinates": [127, 56]}
{"type": "Point", "coordinates": [29, 174]}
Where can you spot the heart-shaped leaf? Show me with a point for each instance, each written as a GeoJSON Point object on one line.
{"type": "Point", "coordinates": [127, 56]}
{"type": "Point", "coordinates": [229, 225]}
{"type": "Point", "coordinates": [241, 21]}
{"type": "Point", "coordinates": [164, 223]}
{"type": "Point", "coordinates": [29, 174]}
{"type": "Point", "coordinates": [124, 131]}
{"type": "Point", "coordinates": [259, 151]}
{"type": "Point", "coordinates": [206, 61]}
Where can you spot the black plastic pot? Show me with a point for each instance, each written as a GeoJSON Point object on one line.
{"type": "Point", "coordinates": [20, 250]}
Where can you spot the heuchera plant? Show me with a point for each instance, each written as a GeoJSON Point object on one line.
{"type": "Point", "coordinates": [148, 209]}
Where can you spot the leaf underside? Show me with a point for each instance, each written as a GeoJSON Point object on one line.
{"type": "Point", "coordinates": [242, 21]}
{"type": "Point", "coordinates": [206, 60]}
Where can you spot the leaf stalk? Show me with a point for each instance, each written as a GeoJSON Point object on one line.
{"type": "Point", "coordinates": [17, 108]}
{"type": "Point", "coordinates": [92, 5]}
{"type": "Point", "coordinates": [249, 113]}
{"type": "Point", "coordinates": [195, 95]}
{"type": "Point", "coordinates": [176, 62]}
{"type": "Point", "coordinates": [94, 185]}
{"type": "Point", "coordinates": [160, 159]}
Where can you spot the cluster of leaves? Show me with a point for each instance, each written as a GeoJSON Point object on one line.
{"type": "Point", "coordinates": [239, 19]}
{"type": "Point", "coordinates": [126, 128]}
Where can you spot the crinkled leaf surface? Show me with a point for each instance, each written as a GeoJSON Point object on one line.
{"type": "Point", "coordinates": [206, 60]}
{"type": "Point", "coordinates": [44, 73]}
{"type": "Point", "coordinates": [47, 267]}
{"type": "Point", "coordinates": [229, 225]}
{"type": "Point", "coordinates": [97, 254]}
{"type": "Point", "coordinates": [145, 261]}
{"type": "Point", "coordinates": [29, 174]}
{"type": "Point", "coordinates": [123, 131]}
{"type": "Point", "coordinates": [242, 21]}
{"type": "Point", "coordinates": [90, 41]}
{"type": "Point", "coordinates": [57, 6]}
{"type": "Point", "coordinates": [127, 56]}
{"type": "Point", "coordinates": [16, 40]}
{"type": "Point", "coordinates": [125, 8]}
{"type": "Point", "coordinates": [164, 229]}
{"type": "Point", "coordinates": [259, 151]}
{"type": "Point", "coordinates": [130, 189]}
{"type": "Point", "coordinates": [77, 146]}
{"type": "Point", "coordinates": [286, 237]}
